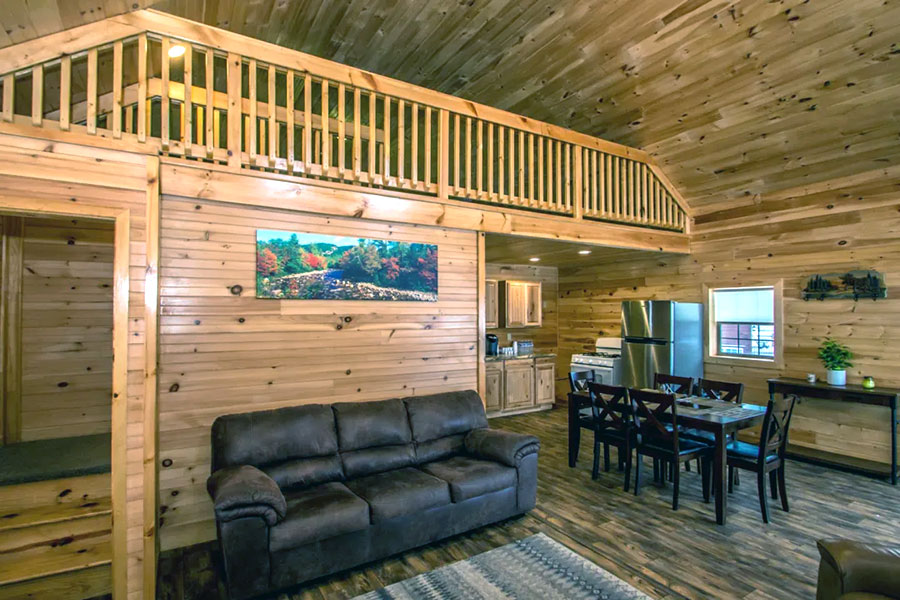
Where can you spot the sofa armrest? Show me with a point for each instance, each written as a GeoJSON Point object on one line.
{"type": "Point", "coordinates": [245, 491]}
{"type": "Point", "coordinates": [848, 566]}
{"type": "Point", "coordinates": [502, 446]}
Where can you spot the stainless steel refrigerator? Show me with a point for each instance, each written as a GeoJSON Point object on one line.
{"type": "Point", "coordinates": [660, 336]}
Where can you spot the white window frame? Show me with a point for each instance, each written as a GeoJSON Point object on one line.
{"type": "Point", "coordinates": [711, 344]}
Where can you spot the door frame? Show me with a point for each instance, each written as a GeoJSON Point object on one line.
{"type": "Point", "coordinates": [121, 218]}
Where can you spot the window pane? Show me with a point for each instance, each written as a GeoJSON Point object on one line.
{"type": "Point", "coordinates": [752, 305]}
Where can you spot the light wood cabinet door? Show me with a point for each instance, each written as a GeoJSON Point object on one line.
{"type": "Point", "coordinates": [516, 303]}
{"type": "Point", "coordinates": [545, 382]}
{"type": "Point", "coordinates": [533, 305]}
{"type": "Point", "coordinates": [491, 304]}
{"type": "Point", "coordinates": [493, 389]}
{"type": "Point", "coordinates": [519, 385]}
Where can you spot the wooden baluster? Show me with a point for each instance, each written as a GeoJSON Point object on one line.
{"type": "Point", "coordinates": [540, 172]}
{"type": "Point", "coordinates": [289, 115]}
{"type": "Point", "coordinates": [490, 161]}
{"type": "Point", "coordinates": [468, 157]}
{"type": "Point", "coordinates": [614, 188]}
{"type": "Point", "coordinates": [164, 95]}
{"type": "Point", "coordinates": [65, 92]}
{"type": "Point", "coordinates": [387, 140]}
{"type": "Point", "coordinates": [118, 90]}
{"type": "Point", "coordinates": [373, 135]}
{"type": "Point", "coordinates": [326, 134]}
{"type": "Point", "coordinates": [414, 143]}
{"type": "Point", "coordinates": [645, 192]}
{"type": "Point", "coordinates": [634, 191]}
{"type": "Point", "coordinates": [479, 156]}
{"type": "Point", "coordinates": [252, 136]}
{"type": "Point", "coordinates": [92, 91]}
{"type": "Point", "coordinates": [550, 187]}
{"type": "Point", "coordinates": [443, 153]}
{"type": "Point", "coordinates": [9, 85]}
{"type": "Point", "coordinates": [357, 134]}
{"type": "Point", "coordinates": [187, 132]}
{"type": "Point", "coordinates": [308, 158]}
{"type": "Point", "coordinates": [532, 197]}
{"type": "Point", "coordinates": [511, 164]}
{"type": "Point", "coordinates": [577, 183]}
{"type": "Point", "coordinates": [209, 119]}
{"type": "Point", "coordinates": [235, 108]}
{"type": "Point", "coordinates": [401, 141]}
{"type": "Point", "coordinates": [129, 118]}
{"type": "Point", "coordinates": [273, 121]}
{"type": "Point", "coordinates": [521, 144]}
{"type": "Point", "coordinates": [142, 101]}
{"type": "Point", "coordinates": [317, 143]}
{"type": "Point", "coordinates": [501, 162]}
{"type": "Point", "coordinates": [567, 184]}
{"type": "Point", "coordinates": [427, 147]}
{"type": "Point", "coordinates": [559, 176]}
{"type": "Point", "coordinates": [342, 129]}
{"type": "Point", "coordinates": [592, 168]}
{"type": "Point", "coordinates": [37, 95]}
{"type": "Point", "coordinates": [456, 167]}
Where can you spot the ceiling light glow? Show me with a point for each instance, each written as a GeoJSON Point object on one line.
{"type": "Point", "coordinates": [584, 252]}
{"type": "Point", "coordinates": [534, 259]}
{"type": "Point", "coordinates": [176, 51]}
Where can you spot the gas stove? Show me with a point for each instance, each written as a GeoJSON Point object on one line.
{"type": "Point", "coordinates": [605, 361]}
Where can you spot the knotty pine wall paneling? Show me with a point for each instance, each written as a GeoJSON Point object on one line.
{"type": "Point", "coordinates": [67, 318]}
{"type": "Point", "coordinates": [845, 225]}
{"type": "Point", "coordinates": [222, 353]}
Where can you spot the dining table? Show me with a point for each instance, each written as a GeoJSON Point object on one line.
{"type": "Point", "coordinates": [722, 419]}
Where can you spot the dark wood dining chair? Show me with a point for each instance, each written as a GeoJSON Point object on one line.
{"type": "Point", "coordinates": [673, 384]}
{"type": "Point", "coordinates": [767, 457]}
{"type": "Point", "coordinates": [613, 426]}
{"type": "Point", "coordinates": [578, 382]}
{"type": "Point", "coordinates": [656, 417]}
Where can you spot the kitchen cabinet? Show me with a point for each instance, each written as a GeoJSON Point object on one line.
{"type": "Point", "coordinates": [491, 304]}
{"type": "Point", "coordinates": [519, 385]}
{"type": "Point", "coordinates": [520, 302]}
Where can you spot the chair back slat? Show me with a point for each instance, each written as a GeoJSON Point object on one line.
{"type": "Point", "coordinates": [579, 380]}
{"type": "Point", "coordinates": [774, 436]}
{"type": "Point", "coordinates": [673, 384]}
{"type": "Point", "coordinates": [611, 407]}
{"type": "Point", "coordinates": [721, 390]}
{"type": "Point", "coordinates": [653, 412]}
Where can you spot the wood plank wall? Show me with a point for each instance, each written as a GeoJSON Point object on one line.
{"type": "Point", "coordinates": [57, 174]}
{"type": "Point", "coordinates": [67, 312]}
{"type": "Point", "coordinates": [837, 226]}
{"type": "Point", "coordinates": [222, 353]}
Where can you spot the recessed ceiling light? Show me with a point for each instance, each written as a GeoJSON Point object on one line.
{"type": "Point", "coordinates": [176, 51]}
{"type": "Point", "coordinates": [584, 252]}
{"type": "Point", "coordinates": [534, 259]}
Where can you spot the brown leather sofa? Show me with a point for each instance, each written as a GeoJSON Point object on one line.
{"type": "Point", "coordinates": [858, 571]}
{"type": "Point", "coordinates": [307, 491]}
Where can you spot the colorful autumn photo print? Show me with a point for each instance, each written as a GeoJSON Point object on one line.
{"type": "Point", "coordinates": [312, 266]}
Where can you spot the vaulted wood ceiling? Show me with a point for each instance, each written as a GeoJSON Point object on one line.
{"type": "Point", "coordinates": [736, 99]}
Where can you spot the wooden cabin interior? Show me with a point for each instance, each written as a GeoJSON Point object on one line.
{"type": "Point", "coordinates": [515, 252]}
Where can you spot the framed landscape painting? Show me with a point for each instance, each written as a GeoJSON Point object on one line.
{"type": "Point", "coordinates": [313, 266]}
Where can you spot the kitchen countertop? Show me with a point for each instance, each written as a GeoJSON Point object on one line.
{"type": "Point", "coordinates": [520, 357]}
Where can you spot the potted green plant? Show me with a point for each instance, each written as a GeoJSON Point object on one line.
{"type": "Point", "coordinates": [836, 358]}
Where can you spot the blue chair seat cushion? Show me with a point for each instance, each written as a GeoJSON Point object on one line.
{"type": "Point", "coordinates": [747, 451]}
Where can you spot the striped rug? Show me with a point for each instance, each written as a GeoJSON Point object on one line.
{"type": "Point", "coordinates": [536, 567]}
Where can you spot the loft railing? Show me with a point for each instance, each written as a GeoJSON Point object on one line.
{"type": "Point", "coordinates": [201, 103]}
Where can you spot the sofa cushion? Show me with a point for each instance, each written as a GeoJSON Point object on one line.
{"type": "Point", "coordinates": [303, 472]}
{"type": "Point", "coordinates": [441, 415]}
{"type": "Point", "coordinates": [273, 436]}
{"type": "Point", "coordinates": [377, 460]}
{"type": "Point", "coordinates": [401, 492]}
{"type": "Point", "coordinates": [471, 477]}
{"type": "Point", "coordinates": [317, 513]}
{"type": "Point", "coordinates": [444, 447]}
{"type": "Point", "coordinates": [371, 424]}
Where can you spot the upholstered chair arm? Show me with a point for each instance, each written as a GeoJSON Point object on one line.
{"type": "Point", "coordinates": [502, 446]}
{"type": "Point", "coordinates": [245, 491]}
{"type": "Point", "coordinates": [848, 567]}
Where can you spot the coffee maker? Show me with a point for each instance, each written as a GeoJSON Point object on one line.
{"type": "Point", "coordinates": [491, 348]}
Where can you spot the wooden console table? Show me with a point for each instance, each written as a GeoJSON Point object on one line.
{"type": "Point", "coordinates": [848, 393]}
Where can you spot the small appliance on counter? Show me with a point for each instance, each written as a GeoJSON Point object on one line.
{"type": "Point", "coordinates": [524, 348]}
{"type": "Point", "coordinates": [492, 347]}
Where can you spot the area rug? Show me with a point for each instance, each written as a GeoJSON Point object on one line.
{"type": "Point", "coordinates": [536, 567]}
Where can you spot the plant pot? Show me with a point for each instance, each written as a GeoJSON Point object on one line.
{"type": "Point", "coordinates": [837, 377]}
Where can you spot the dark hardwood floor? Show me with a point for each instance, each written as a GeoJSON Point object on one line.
{"type": "Point", "coordinates": [666, 554]}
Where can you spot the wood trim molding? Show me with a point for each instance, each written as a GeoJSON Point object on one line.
{"type": "Point", "coordinates": [482, 272]}
{"type": "Point", "coordinates": [212, 182]}
{"type": "Point", "coordinates": [151, 365]}
{"type": "Point", "coordinates": [11, 270]}
{"type": "Point", "coordinates": [121, 281]}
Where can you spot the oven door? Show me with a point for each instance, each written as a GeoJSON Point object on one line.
{"type": "Point", "coordinates": [604, 375]}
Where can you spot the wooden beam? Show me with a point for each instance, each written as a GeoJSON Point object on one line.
{"type": "Point", "coordinates": [37, 95]}
{"type": "Point", "coordinates": [480, 292]}
{"type": "Point", "coordinates": [9, 97]}
{"type": "Point", "coordinates": [234, 110]}
{"type": "Point", "coordinates": [65, 92]}
{"type": "Point", "coordinates": [187, 135]}
{"type": "Point", "coordinates": [117, 90]}
{"type": "Point", "coordinates": [142, 89]}
{"type": "Point", "coordinates": [12, 229]}
{"type": "Point", "coordinates": [92, 91]}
